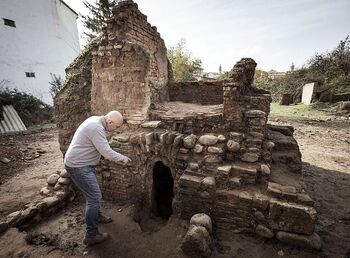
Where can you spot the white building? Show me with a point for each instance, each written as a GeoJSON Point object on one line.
{"type": "Point", "coordinates": [37, 37]}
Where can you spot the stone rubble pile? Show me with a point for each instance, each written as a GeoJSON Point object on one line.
{"type": "Point", "coordinates": [57, 194]}
{"type": "Point", "coordinates": [198, 239]}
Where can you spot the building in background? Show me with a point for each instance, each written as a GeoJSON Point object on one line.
{"type": "Point", "coordinates": [275, 75]}
{"type": "Point", "coordinates": [37, 37]}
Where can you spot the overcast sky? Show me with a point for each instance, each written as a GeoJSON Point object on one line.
{"type": "Point", "coordinates": [273, 32]}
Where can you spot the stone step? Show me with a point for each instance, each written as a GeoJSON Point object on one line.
{"type": "Point", "coordinates": [288, 193]}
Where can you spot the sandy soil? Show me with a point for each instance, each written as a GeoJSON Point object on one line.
{"type": "Point", "coordinates": [326, 174]}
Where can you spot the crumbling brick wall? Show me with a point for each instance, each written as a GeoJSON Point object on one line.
{"type": "Point", "coordinates": [72, 103]}
{"type": "Point", "coordinates": [205, 93]}
{"type": "Point", "coordinates": [130, 68]}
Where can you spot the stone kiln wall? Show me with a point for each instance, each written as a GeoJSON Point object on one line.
{"type": "Point", "coordinates": [221, 163]}
{"type": "Point", "coordinates": [130, 68]}
{"type": "Point", "coordinates": [213, 175]}
{"type": "Point", "coordinates": [205, 93]}
{"type": "Point", "coordinates": [240, 96]}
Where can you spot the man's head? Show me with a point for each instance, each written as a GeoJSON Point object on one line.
{"type": "Point", "coordinates": [113, 120]}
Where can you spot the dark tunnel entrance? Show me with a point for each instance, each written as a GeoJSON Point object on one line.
{"type": "Point", "coordinates": [162, 191]}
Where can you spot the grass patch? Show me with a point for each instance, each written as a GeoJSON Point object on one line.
{"type": "Point", "coordinates": [299, 112]}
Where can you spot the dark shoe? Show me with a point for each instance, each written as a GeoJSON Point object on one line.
{"type": "Point", "coordinates": [99, 238]}
{"type": "Point", "coordinates": [103, 219]}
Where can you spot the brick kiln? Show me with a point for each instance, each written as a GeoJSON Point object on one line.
{"type": "Point", "coordinates": [195, 146]}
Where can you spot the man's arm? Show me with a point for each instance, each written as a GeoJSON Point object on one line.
{"type": "Point", "coordinates": [101, 144]}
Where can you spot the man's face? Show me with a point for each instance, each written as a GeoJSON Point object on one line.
{"type": "Point", "coordinates": [112, 125]}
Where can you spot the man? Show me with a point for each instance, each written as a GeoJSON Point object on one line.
{"type": "Point", "coordinates": [83, 154]}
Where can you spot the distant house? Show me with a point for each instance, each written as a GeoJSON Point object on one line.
{"type": "Point", "coordinates": [38, 37]}
{"type": "Point", "coordinates": [207, 76]}
{"type": "Point", "coordinates": [275, 75]}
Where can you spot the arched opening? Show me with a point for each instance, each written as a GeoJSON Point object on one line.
{"type": "Point", "coordinates": [162, 190]}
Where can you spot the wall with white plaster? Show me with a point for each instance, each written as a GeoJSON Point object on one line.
{"type": "Point", "coordinates": [45, 40]}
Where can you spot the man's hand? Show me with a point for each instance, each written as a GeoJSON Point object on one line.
{"type": "Point", "coordinates": [126, 160]}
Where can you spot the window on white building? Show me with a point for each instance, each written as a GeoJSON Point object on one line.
{"type": "Point", "coordinates": [8, 22]}
{"type": "Point", "coordinates": [30, 75]}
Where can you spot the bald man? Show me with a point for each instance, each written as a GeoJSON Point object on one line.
{"type": "Point", "coordinates": [84, 153]}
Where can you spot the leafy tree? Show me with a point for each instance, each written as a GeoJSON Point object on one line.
{"type": "Point", "coordinates": [330, 68]}
{"type": "Point", "coordinates": [99, 13]}
{"type": "Point", "coordinates": [185, 68]}
{"type": "Point", "coordinates": [55, 85]}
{"type": "Point", "coordinates": [333, 68]}
{"type": "Point", "coordinates": [224, 75]}
{"type": "Point", "coordinates": [261, 79]}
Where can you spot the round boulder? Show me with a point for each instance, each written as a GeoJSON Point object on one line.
{"type": "Point", "coordinates": [265, 170]}
{"type": "Point", "coordinates": [208, 139]}
{"type": "Point", "coordinates": [45, 191]}
{"type": "Point", "coordinates": [198, 148]}
{"type": "Point", "coordinates": [197, 242]}
{"type": "Point", "coordinates": [64, 181]}
{"type": "Point", "coordinates": [189, 141]}
{"type": "Point", "coordinates": [233, 145]}
{"type": "Point", "coordinates": [52, 179]}
{"type": "Point", "coordinates": [202, 219]}
{"type": "Point", "coordinates": [264, 231]}
{"type": "Point", "coordinates": [64, 174]}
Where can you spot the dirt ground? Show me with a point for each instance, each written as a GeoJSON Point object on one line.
{"type": "Point", "coordinates": [326, 174]}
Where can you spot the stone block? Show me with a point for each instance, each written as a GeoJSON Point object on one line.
{"type": "Point", "coordinates": [282, 191]}
{"type": "Point", "coordinates": [193, 166]}
{"type": "Point", "coordinates": [208, 139]}
{"type": "Point", "coordinates": [221, 138]}
{"type": "Point", "coordinates": [45, 190]}
{"type": "Point", "coordinates": [212, 159]}
{"type": "Point", "coordinates": [233, 145]}
{"type": "Point", "coordinates": [255, 113]}
{"type": "Point", "coordinates": [290, 217]}
{"type": "Point", "coordinates": [151, 124]}
{"type": "Point", "coordinates": [209, 184]}
{"type": "Point", "coordinates": [215, 150]}
{"type": "Point", "coordinates": [190, 181]}
{"type": "Point", "coordinates": [183, 150]}
{"type": "Point", "coordinates": [238, 137]}
{"type": "Point", "coordinates": [122, 138]}
{"type": "Point", "coordinates": [198, 148]}
{"type": "Point", "coordinates": [52, 179]}
{"type": "Point", "coordinates": [50, 201]}
{"type": "Point", "coordinates": [202, 219]}
{"type": "Point", "coordinates": [197, 243]}
{"type": "Point", "coordinates": [64, 181]}
{"type": "Point", "coordinates": [265, 170]}
{"type": "Point", "coordinates": [264, 231]}
{"type": "Point", "coordinates": [149, 138]}
{"type": "Point", "coordinates": [64, 174]}
{"type": "Point", "coordinates": [235, 182]}
{"type": "Point", "coordinates": [178, 141]}
{"type": "Point", "coordinates": [305, 199]}
{"type": "Point", "coordinates": [309, 241]}
{"type": "Point", "coordinates": [190, 141]}
{"type": "Point", "coordinates": [250, 157]}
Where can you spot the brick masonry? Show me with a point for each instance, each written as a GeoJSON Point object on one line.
{"type": "Point", "coordinates": [228, 163]}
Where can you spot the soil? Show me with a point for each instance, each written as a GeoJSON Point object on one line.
{"type": "Point", "coordinates": [325, 147]}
